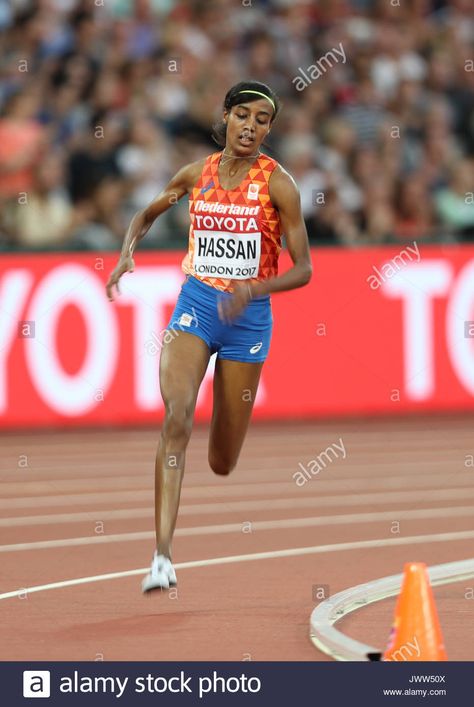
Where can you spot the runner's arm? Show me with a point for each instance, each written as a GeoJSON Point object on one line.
{"type": "Point", "coordinates": [182, 183]}
{"type": "Point", "coordinates": [177, 187]}
{"type": "Point", "coordinates": [285, 198]}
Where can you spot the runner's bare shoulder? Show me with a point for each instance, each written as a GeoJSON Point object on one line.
{"type": "Point", "coordinates": [189, 174]}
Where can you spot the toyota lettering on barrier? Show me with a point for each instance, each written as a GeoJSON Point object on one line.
{"type": "Point", "coordinates": [404, 342]}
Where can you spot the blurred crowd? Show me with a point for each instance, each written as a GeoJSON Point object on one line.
{"type": "Point", "coordinates": [102, 101]}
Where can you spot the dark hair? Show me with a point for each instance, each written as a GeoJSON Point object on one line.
{"type": "Point", "coordinates": [236, 95]}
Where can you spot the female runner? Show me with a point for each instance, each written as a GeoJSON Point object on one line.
{"type": "Point", "coordinates": [241, 202]}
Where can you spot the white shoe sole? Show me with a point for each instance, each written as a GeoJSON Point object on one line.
{"type": "Point", "coordinates": [162, 582]}
{"type": "Point", "coordinates": [161, 576]}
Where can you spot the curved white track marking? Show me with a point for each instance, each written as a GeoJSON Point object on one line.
{"type": "Point", "coordinates": [301, 501]}
{"type": "Point", "coordinates": [323, 618]}
{"type": "Point", "coordinates": [340, 519]}
{"type": "Point", "coordinates": [292, 552]}
{"type": "Point", "coordinates": [343, 519]}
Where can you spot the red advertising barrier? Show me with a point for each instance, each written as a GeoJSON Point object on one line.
{"type": "Point", "coordinates": [383, 330]}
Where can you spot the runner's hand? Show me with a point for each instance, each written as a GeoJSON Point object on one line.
{"type": "Point", "coordinates": [230, 307]}
{"type": "Point", "coordinates": [125, 264]}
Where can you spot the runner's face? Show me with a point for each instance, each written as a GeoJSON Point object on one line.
{"type": "Point", "coordinates": [248, 124]}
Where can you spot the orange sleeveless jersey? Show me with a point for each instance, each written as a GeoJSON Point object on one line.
{"type": "Point", "coordinates": [235, 234]}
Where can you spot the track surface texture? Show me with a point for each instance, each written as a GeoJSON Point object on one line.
{"type": "Point", "coordinates": [79, 503]}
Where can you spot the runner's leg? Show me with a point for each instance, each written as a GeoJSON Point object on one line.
{"type": "Point", "coordinates": [183, 363]}
{"type": "Point", "coordinates": [235, 388]}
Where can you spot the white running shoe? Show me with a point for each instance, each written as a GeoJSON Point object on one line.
{"type": "Point", "coordinates": [161, 574]}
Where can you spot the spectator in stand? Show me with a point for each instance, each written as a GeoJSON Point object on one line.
{"type": "Point", "coordinates": [365, 113]}
{"type": "Point", "coordinates": [455, 204]}
{"type": "Point", "coordinates": [22, 144]}
{"type": "Point", "coordinates": [334, 156]}
{"type": "Point", "coordinates": [331, 224]}
{"type": "Point", "coordinates": [390, 124]}
{"type": "Point", "coordinates": [378, 213]}
{"type": "Point", "coordinates": [299, 158]}
{"type": "Point", "coordinates": [95, 158]}
{"type": "Point", "coordinates": [45, 218]}
{"type": "Point", "coordinates": [414, 210]}
{"type": "Point", "coordinates": [144, 161]}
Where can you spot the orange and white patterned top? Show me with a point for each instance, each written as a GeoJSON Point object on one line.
{"type": "Point", "coordinates": [235, 234]}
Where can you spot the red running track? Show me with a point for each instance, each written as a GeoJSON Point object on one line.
{"type": "Point", "coordinates": [79, 503]}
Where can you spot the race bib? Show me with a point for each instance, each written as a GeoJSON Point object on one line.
{"type": "Point", "coordinates": [229, 255]}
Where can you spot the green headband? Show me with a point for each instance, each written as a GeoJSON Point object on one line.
{"type": "Point", "coordinates": [259, 93]}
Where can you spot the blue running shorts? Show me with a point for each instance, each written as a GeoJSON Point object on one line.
{"type": "Point", "coordinates": [247, 338]}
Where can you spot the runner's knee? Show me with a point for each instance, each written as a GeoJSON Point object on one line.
{"type": "Point", "coordinates": [178, 421]}
{"type": "Point", "coordinates": [219, 465]}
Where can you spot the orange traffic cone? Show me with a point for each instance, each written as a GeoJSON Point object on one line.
{"type": "Point", "coordinates": [416, 634]}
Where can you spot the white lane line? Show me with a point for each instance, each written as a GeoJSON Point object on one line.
{"type": "Point", "coordinates": [134, 513]}
{"type": "Point", "coordinates": [291, 552]}
{"type": "Point", "coordinates": [351, 499]}
{"type": "Point", "coordinates": [197, 509]}
{"type": "Point", "coordinates": [80, 517]}
{"type": "Point", "coordinates": [140, 513]}
{"type": "Point", "coordinates": [40, 481]}
{"type": "Point", "coordinates": [229, 488]}
{"type": "Point", "coordinates": [284, 523]}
